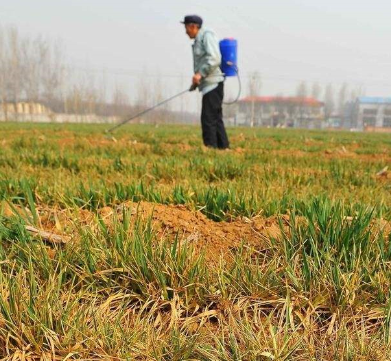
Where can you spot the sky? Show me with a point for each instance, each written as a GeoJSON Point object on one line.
{"type": "Point", "coordinates": [286, 41]}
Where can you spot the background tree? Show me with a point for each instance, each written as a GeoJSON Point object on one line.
{"type": "Point", "coordinates": [120, 100]}
{"type": "Point", "coordinates": [329, 101]}
{"type": "Point", "coordinates": [302, 90]}
{"type": "Point", "coordinates": [254, 89]}
{"type": "Point", "coordinates": [342, 97]}
{"type": "Point", "coordinates": [316, 91]}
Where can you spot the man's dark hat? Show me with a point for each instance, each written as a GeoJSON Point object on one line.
{"type": "Point", "coordinates": [192, 19]}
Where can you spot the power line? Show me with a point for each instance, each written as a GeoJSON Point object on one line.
{"type": "Point", "coordinates": [145, 74]}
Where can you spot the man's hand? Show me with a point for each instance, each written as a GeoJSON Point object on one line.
{"type": "Point", "coordinates": [197, 79]}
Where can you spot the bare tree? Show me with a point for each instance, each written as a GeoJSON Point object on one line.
{"type": "Point", "coordinates": [53, 75]}
{"type": "Point", "coordinates": [33, 58]}
{"type": "Point", "coordinates": [158, 96]}
{"type": "Point", "coordinates": [3, 74]}
{"type": "Point", "coordinates": [84, 95]}
{"type": "Point", "coordinates": [31, 69]}
{"type": "Point", "coordinates": [342, 98]}
{"type": "Point", "coordinates": [143, 93]}
{"type": "Point", "coordinates": [357, 92]}
{"type": "Point", "coordinates": [353, 95]}
{"type": "Point", "coordinates": [302, 90]}
{"type": "Point", "coordinates": [316, 90]}
{"type": "Point", "coordinates": [254, 89]}
{"type": "Point", "coordinates": [329, 101]}
{"type": "Point", "coordinates": [103, 96]}
{"type": "Point", "coordinates": [120, 100]}
{"type": "Point", "coordinates": [14, 59]}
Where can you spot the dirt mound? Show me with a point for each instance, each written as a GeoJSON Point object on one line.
{"type": "Point", "coordinates": [195, 228]}
{"type": "Point", "coordinates": [169, 221]}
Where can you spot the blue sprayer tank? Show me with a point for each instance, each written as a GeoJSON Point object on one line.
{"type": "Point", "coordinates": [229, 56]}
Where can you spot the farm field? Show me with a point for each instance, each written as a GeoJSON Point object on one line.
{"type": "Point", "coordinates": [150, 247]}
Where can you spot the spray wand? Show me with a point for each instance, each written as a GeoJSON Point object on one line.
{"type": "Point", "coordinates": [192, 88]}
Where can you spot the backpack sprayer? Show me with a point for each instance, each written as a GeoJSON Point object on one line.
{"type": "Point", "coordinates": [229, 67]}
{"type": "Point", "coordinates": [229, 63]}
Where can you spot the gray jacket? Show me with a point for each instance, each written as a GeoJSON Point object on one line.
{"type": "Point", "coordinates": [207, 59]}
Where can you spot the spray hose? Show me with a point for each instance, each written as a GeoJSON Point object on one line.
{"type": "Point", "coordinates": [192, 88]}
{"type": "Point", "coordinates": [236, 69]}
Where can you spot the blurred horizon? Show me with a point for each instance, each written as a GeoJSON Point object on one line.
{"type": "Point", "coordinates": [284, 43]}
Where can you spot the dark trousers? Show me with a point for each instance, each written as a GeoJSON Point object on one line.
{"type": "Point", "coordinates": [213, 130]}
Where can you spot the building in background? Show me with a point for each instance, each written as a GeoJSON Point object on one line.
{"type": "Point", "coordinates": [25, 111]}
{"type": "Point", "coordinates": [369, 113]}
{"type": "Point", "coordinates": [84, 112]}
{"type": "Point", "coordinates": [24, 108]}
{"type": "Point", "coordinates": [278, 111]}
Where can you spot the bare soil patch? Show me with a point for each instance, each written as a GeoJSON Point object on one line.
{"type": "Point", "coordinates": [168, 221]}
{"type": "Point", "coordinates": [196, 229]}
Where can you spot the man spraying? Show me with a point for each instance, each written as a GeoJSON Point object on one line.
{"type": "Point", "coordinates": [210, 81]}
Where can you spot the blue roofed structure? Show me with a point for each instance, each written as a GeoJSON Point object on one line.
{"type": "Point", "coordinates": [374, 100]}
{"type": "Point", "coordinates": [371, 113]}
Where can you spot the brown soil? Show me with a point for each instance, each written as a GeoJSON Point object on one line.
{"type": "Point", "coordinates": [168, 221]}
{"type": "Point", "coordinates": [196, 229]}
